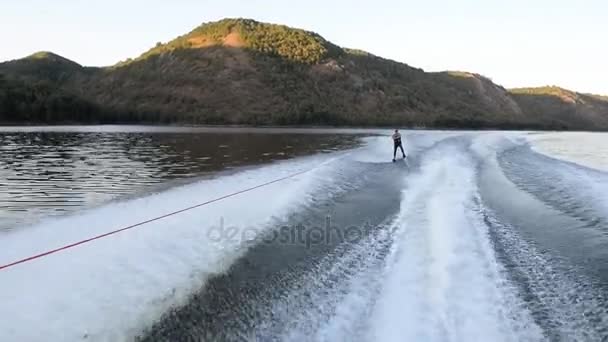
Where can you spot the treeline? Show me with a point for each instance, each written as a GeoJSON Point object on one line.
{"type": "Point", "coordinates": [42, 102]}
{"type": "Point", "coordinates": [277, 76]}
{"type": "Point", "coordinates": [279, 40]}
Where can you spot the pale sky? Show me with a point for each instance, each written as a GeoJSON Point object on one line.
{"type": "Point", "coordinates": [514, 42]}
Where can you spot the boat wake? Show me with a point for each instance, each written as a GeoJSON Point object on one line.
{"type": "Point", "coordinates": [474, 239]}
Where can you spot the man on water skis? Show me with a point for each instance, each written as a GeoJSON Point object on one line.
{"type": "Point", "coordinates": [397, 142]}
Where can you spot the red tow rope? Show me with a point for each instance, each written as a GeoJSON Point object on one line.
{"type": "Point", "coordinates": [60, 249]}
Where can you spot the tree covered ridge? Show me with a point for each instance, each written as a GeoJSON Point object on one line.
{"type": "Point", "coordinates": [240, 71]}
{"type": "Point", "coordinates": [42, 65]}
{"type": "Point", "coordinates": [546, 90]}
{"type": "Point", "coordinates": [293, 44]}
{"type": "Point", "coordinates": [555, 91]}
{"type": "Point", "coordinates": [42, 101]}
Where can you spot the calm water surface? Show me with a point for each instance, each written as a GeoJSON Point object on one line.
{"type": "Point", "coordinates": [49, 171]}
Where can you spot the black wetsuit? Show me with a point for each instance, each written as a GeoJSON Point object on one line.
{"type": "Point", "coordinates": [397, 141]}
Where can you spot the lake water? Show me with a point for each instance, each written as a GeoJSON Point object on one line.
{"type": "Point", "coordinates": [54, 170]}
{"type": "Point", "coordinates": [476, 236]}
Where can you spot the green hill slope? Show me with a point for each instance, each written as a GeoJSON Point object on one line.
{"type": "Point", "coordinates": [40, 101]}
{"type": "Point", "coordinates": [42, 66]}
{"type": "Point", "coordinates": [563, 108]}
{"type": "Point", "coordinates": [292, 44]}
{"type": "Point", "coordinates": [239, 71]}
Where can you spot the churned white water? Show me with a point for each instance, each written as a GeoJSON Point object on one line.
{"type": "Point", "coordinates": [430, 272]}
{"type": "Point", "coordinates": [110, 289]}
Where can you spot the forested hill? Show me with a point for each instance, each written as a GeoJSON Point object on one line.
{"type": "Point", "coordinates": [240, 71]}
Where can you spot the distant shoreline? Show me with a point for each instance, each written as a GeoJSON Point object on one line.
{"type": "Point", "coordinates": [230, 127]}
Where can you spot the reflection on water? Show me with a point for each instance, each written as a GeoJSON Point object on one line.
{"type": "Point", "coordinates": [47, 173]}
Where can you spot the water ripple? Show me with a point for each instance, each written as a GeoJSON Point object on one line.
{"type": "Point", "coordinates": [49, 173]}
